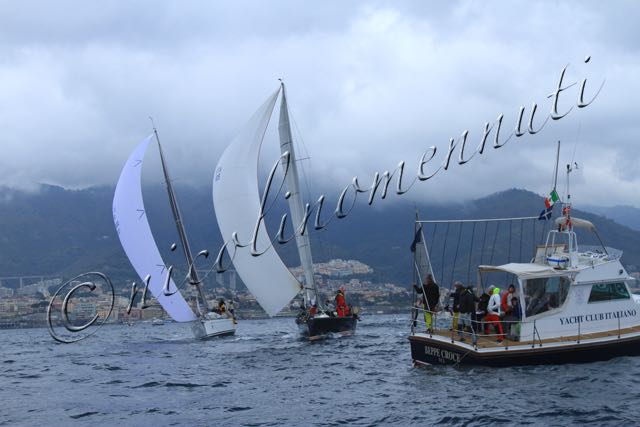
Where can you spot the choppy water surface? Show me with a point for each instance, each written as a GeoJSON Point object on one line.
{"type": "Point", "coordinates": [146, 375]}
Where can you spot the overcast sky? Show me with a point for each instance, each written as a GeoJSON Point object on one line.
{"type": "Point", "coordinates": [369, 84]}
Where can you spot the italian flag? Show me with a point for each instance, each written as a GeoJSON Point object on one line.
{"type": "Point", "coordinates": [552, 199]}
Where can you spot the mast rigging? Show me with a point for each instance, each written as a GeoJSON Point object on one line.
{"type": "Point", "coordinates": [192, 273]}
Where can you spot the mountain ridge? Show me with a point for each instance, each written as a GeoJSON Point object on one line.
{"type": "Point", "coordinates": [59, 232]}
{"type": "Point", "coordinates": [622, 214]}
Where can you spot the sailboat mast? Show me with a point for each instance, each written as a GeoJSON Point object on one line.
{"type": "Point", "coordinates": [296, 204]}
{"type": "Point", "coordinates": [193, 274]}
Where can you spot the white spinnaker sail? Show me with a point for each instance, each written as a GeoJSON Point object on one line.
{"type": "Point", "coordinates": [133, 229]}
{"type": "Point", "coordinates": [236, 200]}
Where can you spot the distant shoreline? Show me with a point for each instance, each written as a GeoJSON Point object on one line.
{"type": "Point", "coordinates": [6, 324]}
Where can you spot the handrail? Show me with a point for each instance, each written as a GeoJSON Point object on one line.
{"type": "Point", "coordinates": [443, 221]}
{"type": "Point", "coordinates": [578, 329]}
{"type": "Point", "coordinates": [535, 331]}
{"type": "Point", "coordinates": [476, 331]}
{"type": "Point", "coordinates": [435, 320]}
{"type": "Point", "coordinates": [533, 341]}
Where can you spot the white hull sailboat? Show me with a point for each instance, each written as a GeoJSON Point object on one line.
{"type": "Point", "coordinates": [216, 327]}
{"type": "Point", "coordinates": [236, 200]}
{"type": "Point", "coordinates": [135, 235]}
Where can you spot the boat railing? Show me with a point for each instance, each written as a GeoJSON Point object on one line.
{"type": "Point", "coordinates": [535, 334]}
{"type": "Point", "coordinates": [618, 328]}
{"type": "Point", "coordinates": [600, 253]}
{"type": "Point", "coordinates": [441, 324]}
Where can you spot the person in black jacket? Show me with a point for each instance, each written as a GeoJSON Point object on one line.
{"type": "Point", "coordinates": [430, 297]}
{"type": "Point", "coordinates": [455, 308]}
{"type": "Point", "coordinates": [483, 304]}
{"type": "Point", "coordinates": [467, 312]}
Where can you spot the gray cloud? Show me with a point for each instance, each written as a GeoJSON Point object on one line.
{"type": "Point", "coordinates": [370, 84]}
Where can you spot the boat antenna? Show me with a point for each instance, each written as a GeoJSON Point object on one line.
{"type": "Point", "coordinates": [570, 168]}
{"type": "Point", "coordinates": [192, 273]}
{"type": "Point", "coordinates": [555, 170]}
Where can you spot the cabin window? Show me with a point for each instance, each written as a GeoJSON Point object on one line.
{"type": "Point", "coordinates": [608, 292]}
{"type": "Point", "coordinates": [545, 293]}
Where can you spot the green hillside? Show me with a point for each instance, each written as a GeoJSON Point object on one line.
{"type": "Point", "coordinates": [61, 232]}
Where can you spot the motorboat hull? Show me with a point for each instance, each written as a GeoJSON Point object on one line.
{"type": "Point", "coordinates": [315, 328]}
{"type": "Point", "coordinates": [211, 328]}
{"type": "Point", "coordinates": [427, 350]}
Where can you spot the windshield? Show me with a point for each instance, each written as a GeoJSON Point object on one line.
{"type": "Point", "coordinates": [545, 293]}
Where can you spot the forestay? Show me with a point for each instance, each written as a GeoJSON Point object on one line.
{"type": "Point", "coordinates": [137, 240]}
{"type": "Point", "coordinates": [236, 200]}
{"type": "Point", "coordinates": [296, 205]}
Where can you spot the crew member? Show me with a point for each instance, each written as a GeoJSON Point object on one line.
{"type": "Point", "coordinates": [505, 302]}
{"type": "Point", "coordinates": [341, 303]}
{"type": "Point", "coordinates": [481, 312]}
{"type": "Point", "coordinates": [222, 308]}
{"type": "Point", "coordinates": [494, 312]}
{"type": "Point", "coordinates": [467, 313]}
{"type": "Point", "coordinates": [430, 298]}
{"type": "Point", "coordinates": [455, 296]}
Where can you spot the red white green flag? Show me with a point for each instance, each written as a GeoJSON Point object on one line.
{"type": "Point", "coordinates": [551, 199]}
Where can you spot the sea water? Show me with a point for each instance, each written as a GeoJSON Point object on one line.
{"type": "Point", "coordinates": [266, 376]}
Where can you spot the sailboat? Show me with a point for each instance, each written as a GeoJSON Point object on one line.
{"type": "Point", "coordinates": [130, 219]}
{"type": "Point", "coordinates": [236, 200]}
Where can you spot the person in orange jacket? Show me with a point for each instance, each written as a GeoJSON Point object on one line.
{"type": "Point", "coordinates": [341, 303]}
{"type": "Point", "coordinates": [505, 302]}
{"type": "Point", "coordinates": [313, 310]}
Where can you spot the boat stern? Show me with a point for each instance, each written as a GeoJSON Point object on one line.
{"type": "Point", "coordinates": [209, 328]}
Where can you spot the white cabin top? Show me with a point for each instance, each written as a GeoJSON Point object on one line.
{"type": "Point", "coordinates": [561, 256]}
{"type": "Point", "coordinates": [563, 283]}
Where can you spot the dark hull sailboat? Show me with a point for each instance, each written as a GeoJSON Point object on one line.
{"type": "Point", "coordinates": [236, 199]}
{"type": "Point", "coordinates": [323, 326]}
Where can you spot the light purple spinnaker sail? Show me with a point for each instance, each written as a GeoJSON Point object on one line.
{"type": "Point", "coordinates": [135, 235]}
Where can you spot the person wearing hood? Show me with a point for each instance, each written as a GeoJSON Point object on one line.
{"type": "Point", "coordinates": [494, 312]}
